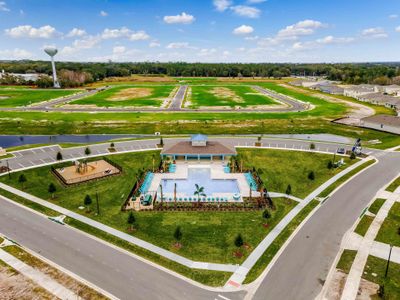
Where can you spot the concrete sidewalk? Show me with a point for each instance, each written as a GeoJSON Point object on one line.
{"type": "Point", "coordinates": [38, 277]}
{"type": "Point", "coordinates": [131, 239]}
{"type": "Point", "coordinates": [353, 279]}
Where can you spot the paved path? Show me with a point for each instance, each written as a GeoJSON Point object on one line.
{"type": "Point", "coordinates": [177, 100]}
{"type": "Point", "coordinates": [119, 234]}
{"type": "Point", "coordinates": [293, 104]}
{"type": "Point", "coordinates": [301, 269]}
{"type": "Point", "coordinates": [120, 273]}
{"type": "Point", "coordinates": [38, 277]}
{"type": "Point", "coordinates": [350, 289]}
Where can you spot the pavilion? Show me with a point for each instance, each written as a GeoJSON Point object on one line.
{"type": "Point", "coordinates": [198, 148]}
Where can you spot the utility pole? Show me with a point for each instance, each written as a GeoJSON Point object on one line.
{"type": "Point", "coordinates": [97, 203]}
{"type": "Point", "coordinates": [388, 261]}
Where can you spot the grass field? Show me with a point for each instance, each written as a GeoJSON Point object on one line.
{"type": "Point", "coordinates": [394, 185]}
{"type": "Point", "coordinates": [374, 271]}
{"type": "Point", "coordinates": [363, 225]}
{"type": "Point", "coordinates": [389, 232]}
{"type": "Point", "coordinates": [346, 260]}
{"type": "Point", "coordinates": [376, 205]}
{"type": "Point", "coordinates": [206, 236]}
{"type": "Point", "coordinates": [278, 168]}
{"type": "Point", "coordinates": [133, 95]}
{"type": "Point", "coordinates": [227, 96]}
{"type": "Point", "coordinates": [23, 97]}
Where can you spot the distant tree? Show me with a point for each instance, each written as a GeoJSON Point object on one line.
{"type": "Point", "coordinates": [22, 179]}
{"type": "Point", "coordinates": [352, 155]}
{"type": "Point", "coordinates": [59, 156]}
{"type": "Point", "coordinates": [330, 165]}
{"type": "Point", "coordinates": [178, 233]}
{"type": "Point", "coordinates": [161, 142]}
{"type": "Point", "coordinates": [289, 190]}
{"type": "Point", "coordinates": [311, 175]}
{"type": "Point", "coordinates": [87, 201]}
{"type": "Point", "coordinates": [87, 151]}
{"type": "Point", "coordinates": [266, 214]}
{"type": "Point", "coordinates": [131, 220]}
{"type": "Point", "coordinates": [312, 146]}
{"type": "Point", "coordinates": [112, 145]}
{"type": "Point", "coordinates": [52, 189]}
{"type": "Point", "coordinates": [239, 241]}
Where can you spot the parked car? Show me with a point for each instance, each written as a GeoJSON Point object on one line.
{"type": "Point", "coordinates": [341, 151]}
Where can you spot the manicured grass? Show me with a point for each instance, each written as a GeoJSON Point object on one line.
{"type": "Point", "coordinates": [346, 260]}
{"type": "Point", "coordinates": [228, 96]}
{"type": "Point", "coordinates": [206, 236]}
{"type": "Point", "coordinates": [392, 282]}
{"type": "Point", "coordinates": [363, 225]}
{"type": "Point", "coordinates": [110, 98]}
{"type": "Point", "coordinates": [394, 185]}
{"type": "Point", "coordinates": [7, 155]}
{"type": "Point", "coordinates": [278, 168]}
{"type": "Point", "coordinates": [389, 232]}
{"type": "Point", "coordinates": [269, 254]}
{"type": "Point", "coordinates": [376, 206]}
{"type": "Point", "coordinates": [23, 97]}
{"type": "Point", "coordinates": [344, 178]}
{"type": "Point", "coordinates": [84, 291]}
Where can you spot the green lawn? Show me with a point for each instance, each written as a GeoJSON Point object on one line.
{"type": "Point", "coordinates": [346, 260]}
{"type": "Point", "coordinates": [206, 236]}
{"type": "Point", "coordinates": [394, 185]}
{"type": "Point", "coordinates": [363, 225]}
{"type": "Point", "coordinates": [113, 97]}
{"type": "Point", "coordinates": [377, 266]}
{"type": "Point", "coordinates": [23, 97]}
{"type": "Point", "coordinates": [228, 96]}
{"type": "Point", "coordinates": [278, 168]}
{"type": "Point", "coordinates": [389, 232]}
{"type": "Point", "coordinates": [376, 206]}
{"type": "Point", "coordinates": [269, 254]}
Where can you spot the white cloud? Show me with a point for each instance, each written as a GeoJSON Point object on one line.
{"type": "Point", "coordinates": [207, 52]}
{"type": "Point", "coordinates": [246, 11]}
{"type": "Point", "coordinates": [124, 32]}
{"type": "Point", "coordinates": [222, 5]}
{"type": "Point", "coordinates": [394, 16]}
{"type": "Point", "coordinates": [15, 54]}
{"type": "Point", "coordinates": [243, 30]}
{"type": "Point", "coordinates": [154, 44]}
{"type": "Point", "coordinates": [183, 18]}
{"type": "Point", "coordinates": [27, 31]}
{"type": "Point", "coordinates": [335, 40]}
{"type": "Point", "coordinates": [305, 27]}
{"type": "Point", "coordinates": [119, 49]}
{"type": "Point", "coordinates": [87, 42]}
{"type": "Point", "coordinates": [252, 38]}
{"type": "Point", "coordinates": [3, 6]}
{"type": "Point", "coordinates": [76, 32]}
{"type": "Point", "coordinates": [397, 28]}
{"type": "Point", "coordinates": [180, 45]}
{"type": "Point", "coordinates": [103, 13]}
{"type": "Point", "coordinates": [374, 33]}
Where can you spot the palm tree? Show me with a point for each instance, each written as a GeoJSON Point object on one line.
{"type": "Point", "coordinates": [199, 192]}
{"type": "Point", "coordinates": [161, 194]}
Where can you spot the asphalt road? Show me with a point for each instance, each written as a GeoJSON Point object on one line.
{"type": "Point", "coordinates": [118, 273]}
{"type": "Point", "coordinates": [301, 270]}
{"type": "Point", "coordinates": [176, 103]}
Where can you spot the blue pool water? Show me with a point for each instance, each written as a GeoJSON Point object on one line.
{"type": "Point", "coordinates": [201, 176]}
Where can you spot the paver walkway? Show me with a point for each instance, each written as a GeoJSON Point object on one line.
{"type": "Point", "coordinates": [38, 277]}
{"type": "Point", "coordinates": [353, 279]}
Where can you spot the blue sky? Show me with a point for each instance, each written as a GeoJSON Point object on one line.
{"type": "Point", "coordinates": [204, 31]}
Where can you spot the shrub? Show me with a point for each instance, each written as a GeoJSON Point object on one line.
{"type": "Point", "coordinates": [87, 151]}
{"type": "Point", "coordinates": [330, 165]}
{"type": "Point", "coordinates": [131, 219]}
{"type": "Point", "coordinates": [266, 214]}
{"type": "Point", "coordinates": [112, 145]}
{"type": "Point", "coordinates": [52, 189]}
{"type": "Point", "coordinates": [88, 200]}
{"type": "Point", "coordinates": [352, 155]}
{"type": "Point", "coordinates": [239, 241]}
{"type": "Point", "coordinates": [178, 233]}
{"type": "Point", "coordinates": [311, 175]}
{"type": "Point", "coordinates": [288, 189]}
{"type": "Point", "coordinates": [59, 156]}
{"type": "Point", "coordinates": [312, 146]}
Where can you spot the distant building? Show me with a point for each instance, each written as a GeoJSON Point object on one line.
{"type": "Point", "coordinates": [393, 89]}
{"type": "Point", "coordinates": [331, 89]}
{"type": "Point", "coordinates": [382, 122]}
{"type": "Point", "coordinates": [357, 91]}
{"type": "Point", "coordinates": [26, 77]}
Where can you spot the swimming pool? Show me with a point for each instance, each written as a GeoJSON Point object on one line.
{"type": "Point", "coordinates": [202, 177]}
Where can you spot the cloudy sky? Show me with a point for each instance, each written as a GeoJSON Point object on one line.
{"type": "Point", "coordinates": [204, 30]}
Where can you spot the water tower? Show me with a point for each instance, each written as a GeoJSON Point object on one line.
{"type": "Point", "coordinates": [52, 51]}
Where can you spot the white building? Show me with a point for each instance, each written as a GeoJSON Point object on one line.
{"type": "Point", "coordinates": [27, 77]}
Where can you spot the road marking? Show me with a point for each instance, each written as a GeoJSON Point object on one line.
{"type": "Point", "coordinates": [223, 297]}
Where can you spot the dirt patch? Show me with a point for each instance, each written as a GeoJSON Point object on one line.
{"type": "Point", "coordinates": [366, 290]}
{"type": "Point", "coordinates": [131, 93]}
{"type": "Point", "coordinates": [225, 93]}
{"type": "Point", "coordinates": [4, 97]}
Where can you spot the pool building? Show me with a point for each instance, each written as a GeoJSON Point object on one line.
{"type": "Point", "coordinates": [198, 148]}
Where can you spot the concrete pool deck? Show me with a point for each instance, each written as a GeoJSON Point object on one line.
{"type": "Point", "coordinates": [217, 172]}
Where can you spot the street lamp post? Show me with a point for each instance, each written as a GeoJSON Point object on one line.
{"type": "Point", "coordinates": [8, 169]}
{"type": "Point", "coordinates": [388, 261]}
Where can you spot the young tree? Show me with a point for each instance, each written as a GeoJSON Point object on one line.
{"type": "Point", "coordinates": [22, 179]}
{"type": "Point", "coordinates": [239, 241]}
{"type": "Point", "coordinates": [312, 146]}
{"type": "Point", "coordinates": [87, 151]}
{"type": "Point", "coordinates": [266, 214]}
{"type": "Point", "coordinates": [59, 156]}
{"type": "Point", "coordinates": [352, 155]}
{"type": "Point", "coordinates": [87, 201]}
{"type": "Point", "coordinates": [161, 142]}
{"type": "Point", "coordinates": [112, 145]}
{"type": "Point", "coordinates": [131, 220]}
{"type": "Point", "coordinates": [311, 175]}
{"type": "Point", "coordinates": [178, 233]}
{"type": "Point", "coordinates": [52, 189]}
{"type": "Point", "coordinates": [289, 189]}
{"type": "Point", "coordinates": [330, 165]}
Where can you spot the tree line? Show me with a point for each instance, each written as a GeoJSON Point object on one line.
{"type": "Point", "coordinates": [356, 73]}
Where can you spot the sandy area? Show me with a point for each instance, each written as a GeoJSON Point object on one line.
{"type": "Point", "coordinates": [4, 97]}
{"type": "Point", "coordinates": [226, 93]}
{"type": "Point", "coordinates": [131, 93]}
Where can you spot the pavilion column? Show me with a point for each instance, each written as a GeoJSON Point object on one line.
{"type": "Point", "coordinates": [198, 156]}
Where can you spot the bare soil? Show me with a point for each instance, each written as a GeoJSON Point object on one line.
{"type": "Point", "coordinates": [223, 92]}
{"type": "Point", "coordinates": [131, 93]}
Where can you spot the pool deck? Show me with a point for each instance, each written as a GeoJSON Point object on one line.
{"type": "Point", "coordinates": [217, 172]}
